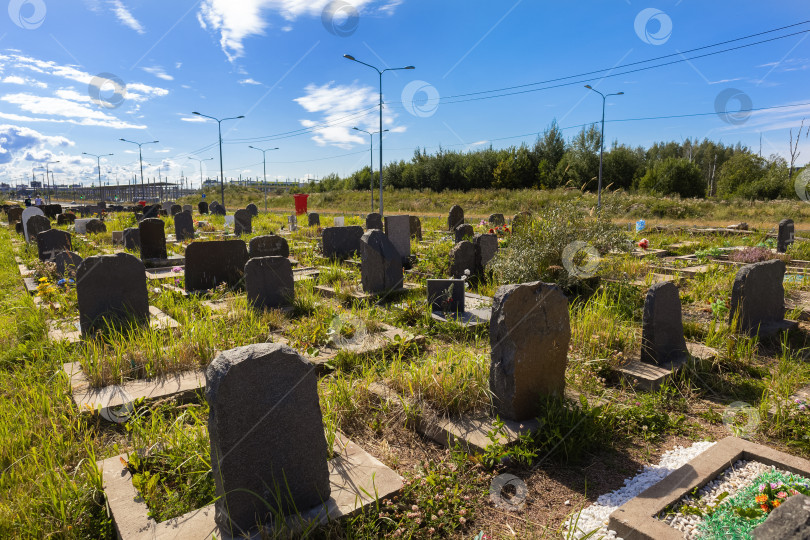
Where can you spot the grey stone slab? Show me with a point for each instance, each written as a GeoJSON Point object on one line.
{"type": "Point", "coordinates": [26, 215]}
{"type": "Point", "coordinates": [313, 219]}
{"type": "Point", "coordinates": [381, 269]}
{"type": "Point", "coordinates": [463, 232]}
{"type": "Point", "coordinates": [662, 340]}
{"type": "Point", "coordinates": [269, 282]}
{"type": "Point", "coordinates": [270, 245]}
{"type": "Point", "coordinates": [791, 521]}
{"type": "Point", "coordinates": [111, 289]}
{"type": "Point", "coordinates": [153, 238]}
{"type": "Point", "coordinates": [51, 242]}
{"type": "Point", "coordinates": [341, 242]}
{"type": "Point", "coordinates": [462, 259]}
{"type": "Point", "coordinates": [529, 335]}
{"type": "Point", "coordinates": [183, 226]}
{"type": "Point", "coordinates": [486, 247]}
{"type": "Point", "coordinates": [242, 222]}
{"type": "Point", "coordinates": [209, 264]}
{"type": "Point", "coordinates": [374, 221]}
{"type": "Point", "coordinates": [455, 217]}
{"type": "Point", "coordinates": [446, 295]}
{"type": "Point", "coordinates": [255, 394]}
{"type": "Point", "coordinates": [758, 298]}
{"type": "Point", "coordinates": [398, 230]}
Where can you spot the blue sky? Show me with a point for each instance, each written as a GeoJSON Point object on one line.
{"type": "Point", "coordinates": [77, 75]}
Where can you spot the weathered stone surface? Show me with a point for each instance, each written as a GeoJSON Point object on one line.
{"type": "Point", "coordinates": [465, 231]}
{"type": "Point", "coordinates": [51, 242]}
{"type": "Point", "coordinates": [381, 268]}
{"type": "Point", "coordinates": [188, 208]}
{"type": "Point", "coordinates": [398, 231]}
{"type": "Point", "coordinates": [202, 207]}
{"type": "Point", "coordinates": [175, 209]}
{"type": "Point", "coordinates": [18, 227]}
{"type": "Point", "coordinates": [67, 261]}
{"type": "Point", "coordinates": [37, 224]}
{"type": "Point", "coordinates": [51, 210]}
{"type": "Point", "coordinates": [218, 210]}
{"type": "Point", "coordinates": [26, 215]}
{"type": "Point", "coordinates": [253, 209]}
{"type": "Point", "coordinates": [209, 264]}
{"type": "Point", "coordinates": [758, 295]}
{"type": "Point", "coordinates": [292, 222]}
{"type": "Point", "coordinates": [521, 219]}
{"type": "Point", "coordinates": [341, 242]}
{"type": "Point", "coordinates": [167, 205]}
{"type": "Point", "coordinates": [242, 222]}
{"type": "Point", "coordinates": [455, 217]}
{"type": "Point", "coordinates": [314, 219]}
{"type": "Point", "coordinates": [151, 211]}
{"type": "Point", "coordinates": [339, 221]}
{"type": "Point", "coordinates": [486, 247]}
{"type": "Point", "coordinates": [529, 335]}
{"type": "Point", "coordinates": [462, 257]}
{"type": "Point", "coordinates": [14, 214]}
{"type": "Point", "coordinates": [132, 239]}
{"type": "Point", "coordinates": [374, 221]}
{"type": "Point", "coordinates": [785, 236]}
{"type": "Point", "coordinates": [111, 289]}
{"type": "Point", "coordinates": [790, 521]}
{"type": "Point", "coordinates": [268, 449]}
{"type": "Point", "coordinates": [153, 238]}
{"type": "Point", "coordinates": [183, 226]}
{"type": "Point", "coordinates": [95, 226]}
{"type": "Point", "coordinates": [662, 340]}
{"type": "Point", "coordinates": [269, 282]}
{"type": "Point", "coordinates": [446, 295]}
{"type": "Point", "coordinates": [270, 245]}
{"type": "Point", "coordinates": [416, 227]}
{"type": "Point", "coordinates": [65, 219]}
{"type": "Point", "coordinates": [496, 220]}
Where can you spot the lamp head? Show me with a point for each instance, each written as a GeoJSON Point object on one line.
{"type": "Point", "coordinates": [350, 57]}
{"type": "Point", "coordinates": [620, 93]}
{"type": "Point", "coordinates": [589, 87]}
{"type": "Point", "coordinates": [238, 117]}
{"type": "Point", "coordinates": [410, 67]}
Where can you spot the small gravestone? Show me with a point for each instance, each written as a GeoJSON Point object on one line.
{"type": "Point", "coordinates": [51, 242]}
{"type": "Point", "coordinates": [462, 257]}
{"type": "Point", "coordinates": [111, 288]}
{"type": "Point", "coordinates": [374, 221]}
{"type": "Point", "coordinates": [95, 226]}
{"type": "Point", "coordinates": [313, 219]}
{"type": "Point", "coordinates": [14, 214]}
{"type": "Point", "coordinates": [167, 205]}
{"type": "Point", "coordinates": [132, 239]}
{"type": "Point", "coordinates": [218, 210]}
{"type": "Point", "coordinates": [37, 224]}
{"type": "Point", "coordinates": [62, 219]}
{"type": "Point", "coordinates": [18, 227]}
{"type": "Point", "coordinates": [183, 226]}
{"type": "Point", "coordinates": [267, 436]}
{"type": "Point", "coordinates": [242, 222]}
{"type": "Point", "coordinates": [26, 215]}
{"type": "Point", "coordinates": [176, 209]}
{"type": "Point", "coordinates": [188, 208]}
{"type": "Point", "coordinates": [758, 299]}
{"type": "Point", "coordinates": [415, 225]}
{"type": "Point", "coordinates": [789, 521]}
{"type": "Point", "coordinates": [521, 220]}
{"type": "Point", "coordinates": [496, 220]}
{"type": "Point", "coordinates": [381, 268]}
{"type": "Point", "coordinates": [662, 340]}
{"type": "Point", "coordinates": [455, 217]}
{"type": "Point", "coordinates": [253, 209]}
{"type": "Point", "coordinates": [785, 236]}
{"type": "Point", "coordinates": [464, 231]}
{"type": "Point", "coordinates": [209, 264]}
{"type": "Point", "coordinates": [340, 221]}
{"type": "Point", "coordinates": [118, 238]}
{"type": "Point", "coordinates": [229, 221]}
{"type": "Point", "coordinates": [341, 242]}
{"type": "Point", "coordinates": [151, 211]}
{"type": "Point", "coordinates": [270, 245]}
{"type": "Point", "coordinates": [446, 295]}
{"type": "Point", "coordinates": [67, 262]}
{"type": "Point", "coordinates": [529, 332]}
{"type": "Point", "coordinates": [80, 225]}
{"type": "Point", "coordinates": [269, 282]}
{"type": "Point", "coordinates": [202, 207]}
{"type": "Point", "coordinates": [398, 230]}
{"type": "Point", "coordinates": [292, 221]}
{"type": "Point", "coordinates": [486, 247]}
{"type": "Point", "coordinates": [153, 239]}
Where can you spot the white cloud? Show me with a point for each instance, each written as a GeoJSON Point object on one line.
{"type": "Point", "coordinates": [71, 111]}
{"type": "Point", "coordinates": [193, 119]}
{"type": "Point", "coordinates": [15, 79]}
{"type": "Point", "coordinates": [343, 107]}
{"type": "Point", "coordinates": [125, 17]}
{"type": "Point", "coordinates": [237, 20]}
{"type": "Point", "coordinates": [249, 81]}
{"type": "Point", "coordinates": [158, 72]}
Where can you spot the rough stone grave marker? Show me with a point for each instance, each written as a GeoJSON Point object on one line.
{"type": "Point", "coordinates": [465, 231]}
{"type": "Point", "coordinates": [758, 295]}
{"type": "Point", "coordinates": [175, 209]}
{"type": "Point", "coordinates": [183, 226]}
{"type": "Point", "coordinates": [785, 236]}
{"type": "Point", "coordinates": [257, 393]}
{"type": "Point", "coordinates": [462, 257]}
{"type": "Point", "coordinates": [293, 223]}
{"type": "Point", "coordinates": [662, 340]}
{"type": "Point", "coordinates": [188, 208]}
{"type": "Point", "coordinates": [80, 225]}
{"type": "Point", "coordinates": [202, 207]}
{"type": "Point", "coordinates": [209, 264]}
{"type": "Point", "coordinates": [37, 224]}
{"type": "Point", "coordinates": [253, 209]}
{"type": "Point", "coordinates": [269, 282]}
{"type": "Point", "coordinates": [51, 242]}
{"type": "Point", "coordinates": [65, 218]}
{"type": "Point", "coordinates": [416, 227]}
{"type": "Point", "coordinates": [153, 239]}
{"type": "Point", "coordinates": [529, 335]}
{"type": "Point", "coordinates": [314, 219]}
{"type": "Point", "coordinates": [341, 242]}
{"type": "Point", "coordinates": [486, 247]}
{"type": "Point", "coordinates": [496, 219]}
{"type": "Point", "coordinates": [339, 221]}
{"type": "Point", "coordinates": [95, 226]}
{"type": "Point", "coordinates": [242, 222]}
{"type": "Point", "coordinates": [270, 245]}
{"type": "Point", "coordinates": [14, 214]}
{"type": "Point", "coordinates": [446, 295]}
{"type": "Point", "coordinates": [67, 261]}
{"type": "Point", "coordinates": [132, 239]}
{"type": "Point", "coordinates": [111, 288]}
{"type": "Point", "coordinates": [381, 268]}
{"type": "Point", "coordinates": [26, 215]}
{"type": "Point", "coordinates": [398, 230]}
{"type": "Point", "coordinates": [455, 217]}
{"type": "Point", "coordinates": [374, 221]}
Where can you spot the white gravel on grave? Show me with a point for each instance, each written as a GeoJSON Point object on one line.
{"type": "Point", "coordinates": [595, 517]}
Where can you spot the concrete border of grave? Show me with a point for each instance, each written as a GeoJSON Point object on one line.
{"type": "Point", "coordinates": [358, 294]}
{"type": "Point", "coordinates": [354, 474]}
{"type": "Point", "coordinates": [68, 329]}
{"type": "Point", "coordinates": [636, 518]}
{"type": "Point", "coordinates": [477, 311]}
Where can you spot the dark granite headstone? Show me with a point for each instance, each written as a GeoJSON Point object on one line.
{"type": "Point", "coordinates": [496, 219]}
{"type": "Point", "coordinates": [242, 222]}
{"type": "Point", "coordinates": [209, 264]}
{"type": "Point", "coordinates": [374, 221]}
{"type": "Point", "coordinates": [95, 226]}
{"type": "Point", "coordinates": [253, 209]}
{"type": "Point", "coordinates": [529, 332]}
{"type": "Point", "coordinates": [175, 209]}
{"type": "Point", "coordinates": [486, 247]}
{"type": "Point", "coordinates": [416, 227]}
{"type": "Point", "coordinates": [785, 236]}
{"type": "Point", "coordinates": [314, 219]}
{"type": "Point", "coordinates": [398, 230]}
{"type": "Point", "coordinates": [67, 262]}
{"type": "Point", "coordinates": [218, 210]}
{"type": "Point", "coordinates": [465, 231]}
{"type": "Point", "coordinates": [270, 245]}
{"type": "Point", "coordinates": [111, 288]}
{"type": "Point", "coordinates": [51, 242]}
{"type": "Point", "coordinates": [381, 268]}
{"type": "Point", "coordinates": [455, 217]}
{"type": "Point", "coordinates": [662, 340]}
{"type": "Point", "coordinates": [14, 214]}
{"type": "Point", "coordinates": [132, 239]}
{"type": "Point", "coordinates": [446, 295]}
{"type": "Point", "coordinates": [758, 295]}
{"type": "Point", "coordinates": [183, 226]}
{"type": "Point", "coordinates": [267, 436]}
{"type": "Point", "coordinates": [151, 211]}
{"type": "Point", "coordinates": [153, 239]}
{"type": "Point", "coordinates": [202, 207]}
{"type": "Point", "coordinates": [789, 521]}
{"type": "Point", "coordinates": [269, 282]}
{"type": "Point", "coordinates": [462, 257]}
{"type": "Point", "coordinates": [36, 225]}
{"type": "Point", "coordinates": [341, 242]}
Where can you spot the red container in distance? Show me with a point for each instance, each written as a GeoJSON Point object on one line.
{"type": "Point", "coordinates": [301, 203]}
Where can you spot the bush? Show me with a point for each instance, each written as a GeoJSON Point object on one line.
{"type": "Point", "coordinates": [674, 176]}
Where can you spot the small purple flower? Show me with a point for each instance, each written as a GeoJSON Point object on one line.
{"type": "Point", "coordinates": [176, 269]}
{"type": "Point", "coordinates": [774, 485]}
{"type": "Point", "coordinates": [762, 487]}
{"type": "Point", "coordinates": [802, 407]}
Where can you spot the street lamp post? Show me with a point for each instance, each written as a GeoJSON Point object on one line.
{"type": "Point", "coordinates": [140, 156]}
{"type": "Point", "coordinates": [264, 161]}
{"type": "Point", "coordinates": [33, 174]}
{"type": "Point", "coordinates": [601, 142]}
{"type": "Point", "coordinates": [371, 141]}
{"type": "Point", "coordinates": [221, 170]}
{"type": "Point", "coordinates": [201, 162]}
{"type": "Point", "coordinates": [98, 162]}
{"type": "Point", "coordinates": [352, 58]}
{"type": "Point", "coordinates": [47, 173]}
